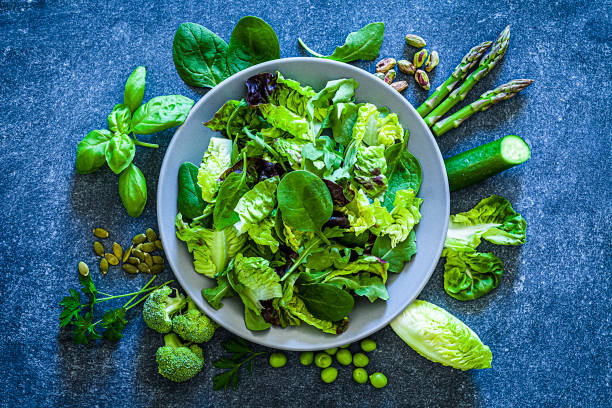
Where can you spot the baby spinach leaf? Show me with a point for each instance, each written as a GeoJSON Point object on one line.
{"type": "Point", "coordinates": [91, 151]}
{"type": "Point", "coordinates": [304, 201]}
{"type": "Point", "coordinates": [119, 119]}
{"type": "Point", "coordinates": [403, 171]}
{"type": "Point", "coordinates": [231, 190]}
{"type": "Point", "coordinates": [199, 55]}
{"type": "Point", "coordinates": [134, 88]}
{"type": "Point", "coordinates": [133, 190]}
{"type": "Point", "coordinates": [396, 257]}
{"type": "Point", "coordinates": [160, 113]}
{"type": "Point", "coordinates": [252, 42]}
{"type": "Point", "coordinates": [325, 301]}
{"type": "Point", "coordinates": [190, 202]}
{"type": "Point", "coordinates": [120, 152]}
{"type": "Point", "coordinates": [469, 274]}
{"type": "Point", "coordinates": [341, 119]}
{"type": "Point", "coordinates": [363, 44]}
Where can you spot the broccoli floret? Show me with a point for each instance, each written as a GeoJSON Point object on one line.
{"type": "Point", "coordinates": [193, 325]}
{"type": "Point", "coordinates": [178, 362]}
{"type": "Point", "coordinates": [159, 308]}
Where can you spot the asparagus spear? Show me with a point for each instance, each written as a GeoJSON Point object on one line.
{"type": "Point", "coordinates": [486, 64]}
{"type": "Point", "coordinates": [468, 62]}
{"type": "Point", "coordinates": [501, 93]}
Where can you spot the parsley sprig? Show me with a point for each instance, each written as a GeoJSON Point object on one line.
{"type": "Point", "coordinates": [80, 315]}
{"type": "Point", "coordinates": [242, 354]}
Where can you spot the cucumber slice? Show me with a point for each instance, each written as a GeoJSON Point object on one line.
{"type": "Point", "coordinates": [472, 166]}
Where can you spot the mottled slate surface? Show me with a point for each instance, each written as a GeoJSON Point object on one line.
{"type": "Point", "coordinates": [62, 68]}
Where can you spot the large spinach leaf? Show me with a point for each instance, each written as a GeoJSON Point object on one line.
{"type": "Point", "coordinates": [161, 113]}
{"type": "Point", "coordinates": [396, 257]}
{"type": "Point", "coordinates": [252, 42]}
{"type": "Point", "coordinates": [403, 171]}
{"type": "Point", "coordinates": [363, 44]}
{"type": "Point", "coordinates": [190, 202]}
{"type": "Point", "coordinates": [325, 301]}
{"type": "Point", "coordinates": [199, 55]}
{"type": "Point", "coordinates": [91, 151]}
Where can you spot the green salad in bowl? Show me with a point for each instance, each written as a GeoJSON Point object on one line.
{"type": "Point", "coordinates": [303, 202]}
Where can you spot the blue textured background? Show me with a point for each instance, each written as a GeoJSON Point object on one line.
{"type": "Point", "coordinates": [62, 68]}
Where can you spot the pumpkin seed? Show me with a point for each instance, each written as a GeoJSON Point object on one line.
{"type": "Point", "coordinates": [134, 261]}
{"type": "Point", "coordinates": [103, 266]}
{"type": "Point", "coordinates": [158, 244]}
{"type": "Point", "coordinates": [158, 260]}
{"type": "Point", "coordinates": [148, 260]}
{"type": "Point", "coordinates": [143, 267]}
{"type": "Point", "coordinates": [129, 268]}
{"type": "Point", "coordinates": [98, 248]}
{"type": "Point", "coordinates": [112, 259]}
{"type": "Point", "coordinates": [157, 268]}
{"type": "Point", "coordinates": [138, 254]}
{"type": "Point", "coordinates": [117, 250]}
{"type": "Point", "coordinates": [127, 253]}
{"type": "Point", "coordinates": [148, 247]}
{"type": "Point", "coordinates": [100, 233]}
{"type": "Point", "coordinates": [83, 269]}
{"type": "Point", "coordinates": [151, 235]}
{"type": "Point", "coordinates": [139, 239]}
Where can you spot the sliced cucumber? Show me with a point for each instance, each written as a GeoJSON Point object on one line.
{"type": "Point", "coordinates": [479, 163]}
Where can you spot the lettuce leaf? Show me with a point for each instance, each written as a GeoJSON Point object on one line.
{"type": "Point", "coordinates": [241, 116]}
{"type": "Point", "coordinates": [336, 91]}
{"type": "Point", "coordinates": [369, 170]}
{"type": "Point", "coordinates": [341, 119]}
{"type": "Point", "coordinates": [469, 274]}
{"type": "Point", "coordinates": [365, 126]}
{"type": "Point", "coordinates": [370, 264]}
{"type": "Point", "coordinates": [293, 96]}
{"type": "Point", "coordinates": [405, 216]}
{"type": "Point", "coordinates": [321, 157]}
{"type": "Point", "coordinates": [297, 308]}
{"type": "Point", "coordinates": [296, 239]}
{"type": "Point", "coordinates": [217, 159]}
{"type": "Point", "coordinates": [282, 118]}
{"type": "Point", "coordinates": [261, 233]}
{"type": "Point", "coordinates": [364, 284]}
{"type": "Point", "coordinates": [290, 149]}
{"type": "Point", "coordinates": [388, 130]}
{"type": "Point", "coordinates": [360, 213]}
{"type": "Point", "coordinates": [259, 202]}
{"type": "Point", "coordinates": [492, 219]}
{"type": "Point", "coordinates": [396, 256]}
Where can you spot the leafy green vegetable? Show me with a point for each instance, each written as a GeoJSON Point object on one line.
{"type": "Point", "coordinates": [133, 190]}
{"type": "Point", "coordinates": [215, 294]}
{"type": "Point", "coordinates": [190, 202]}
{"type": "Point", "coordinates": [395, 256]}
{"type": "Point", "coordinates": [119, 119]}
{"type": "Point", "coordinates": [259, 202]}
{"type": "Point", "coordinates": [199, 55]}
{"type": "Point", "coordinates": [336, 91]}
{"type": "Point", "coordinates": [325, 301]}
{"type": "Point", "coordinates": [252, 42]}
{"type": "Point", "coordinates": [297, 308]}
{"type": "Point", "coordinates": [161, 113]}
{"type": "Point", "coordinates": [469, 274]}
{"type": "Point", "coordinates": [405, 215]}
{"type": "Point", "coordinates": [403, 171]}
{"type": "Point", "coordinates": [364, 284]}
{"type": "Point", "coordinates": [230, 192]}
{"type": "Point", "coordinates": [134, 89]}
{"type": "Point", "coordinates": [363, 44]}
{"type": "Point", "coordinates": [370, 264]}
{"type": "Point", "coordinates": [492, 219]}
{"type": "Point", "coordinates": [321, 157]}
{"type": "Point", "coordinates": [369, 170]}
{"type": "Point", "coordinates": [291, 95]}
{"type": "Point", "coordinates": [304, 201]}
{"type": "Point", "coordinates": [91, 151]}
{"type": "Point", "coordinates": [341, 119]}
{"type": "Point", "coordinates": [120, 152]}
{"type": "Point", "coordinates": [215, 161]}
{"type": "Point", "coordinates": [282, 118]}
{"type": "Point", "coordinates": [440, 337]}
{"type": "Point", "coordinates": [360, 213]}
{"type": "Point", "coordinates": [241, 355]}
{"type": "Point", "coordinates": [389, 130]}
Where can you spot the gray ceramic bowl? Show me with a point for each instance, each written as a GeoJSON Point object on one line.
{"type": "Point", "coordinates": [189, 144]}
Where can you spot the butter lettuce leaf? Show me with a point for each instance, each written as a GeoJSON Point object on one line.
{"type": "Point", "coordinates": [359, 213]}
{"type": "Point", "coordinates": [232, 117]}
{"type": "Point", "coordinates": [284, 119]}
{"type": "Point", "coordinates": [217, 159]}
{"type": "Point", "coordinates": [364, 284]}
{"type": "Point", "coordinates": [371, 264]}
{"type": "Point", "coordinates": [365, 126]}
{"type": "Point", "coordinates": [259, 202]}
{"type": "Point", "coordinates": [469, 274]}
{"type": "Point", "coordinates": [405, 215]}
{"type": "Point", "coordinates": [293, 96]}
{"type": "Point", "coordinates": [261, 233]}
{"type": "Point", "coordinates": [369, 170]}
{"type": "Point", "coordinates": [297, 308]}
{"type": "Point", "coordinates": [389, 130]}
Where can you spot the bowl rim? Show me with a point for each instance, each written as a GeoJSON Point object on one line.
{"type": "Point", "coordinates": [434, 259]}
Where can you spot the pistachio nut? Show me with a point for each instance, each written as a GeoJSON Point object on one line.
{"type": "Point", "coordinates": [422, 79]}
{"type": "Point", "coordinates": [414, 40]}
{"type": "Point", "coordinates": [117, 250]}
{"type": "Point", "coordinates": [139, 239]}
{"type": "Point", "coordinates": [112, 259]}
{"type": "Point", "coordinates": [98, 248]}
{"type": "Point", "coordinates": [157, 268]}
{"type": "Point", "coordinates": [385, 64]}
{"type": "Point", "coordinates": [83, 268]}
{"type": "Point", "coordinates": [158, 260]}
{"type": "Point", "coordinates": [433, 61]}
{"type": "Point", "coordinates": [133, 260]}
{"type": "Point", "coordinates": [399, 86]}
{"type": "Point", "coordinates": [129, 268]}
{"type": "Point", "coordinates": [151, 235]}
{"type": "Point", "coordinates": [127, 253]}
{"type": "Point", "coordinates": [100, 233]}
{"type": "Point", "coordinates": [420, 58]}
{"type": "Point", "coordinates": [143, 267]}
{"type": "Point", "coordinates": [406, 67]}
{"type": "Point", "coordinates": [390, 76]}
{"type": "Point", "coordinates": [158, 244]}
{"type": "Point", "coordinates": [380, 75]}
{"type": "Point", "coordinates": [147, 247]}
{"type": "Point", "coordinates": [103, 266]}
{"type": "Point", "coordinates": [148, 259]}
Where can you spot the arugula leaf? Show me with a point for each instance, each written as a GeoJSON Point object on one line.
{"type": "Point", "coordinates": [364, 44]}
{"type": "Point", "coordinates": [161, 113]}
{"type": "Point", "coordinates": [253, 41]}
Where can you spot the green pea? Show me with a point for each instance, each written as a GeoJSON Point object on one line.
{"type": "Point", "coordinates": [378, 380]}
{"type": "Point", "coordinates": [331, 351]}
{"type": "Point", "coordinates": [322, 360]}
{"type": "Point", "coordinates": [344, 357]}
{"type": "Point", "coordinates": [278, 360]}
{"type": "Point", "coordinates": [360, 360]}
{"type": "Point", "coordinates": [360, 375]}
{"type": "Point", "coordinates": [306, 358]}
{"type": "Point", "coordinates": [368, 345]}
{"type": "Point", "coordinates": [329, 375]}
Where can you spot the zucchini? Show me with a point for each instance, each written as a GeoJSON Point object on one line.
{"type": "Point", "coordinates": [479, 163]}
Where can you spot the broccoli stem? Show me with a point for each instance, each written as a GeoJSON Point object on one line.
{"type": "Point", "coordinates": [172, 340]}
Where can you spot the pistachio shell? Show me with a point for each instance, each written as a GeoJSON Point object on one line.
{"type": "Point", "coordinates": [151, 235]}
{"type": "Point", "coordinates": [98, 248]}
{"type": "Point", "coordinates": [139, 239]}
{"type": "Point", "coordinates": [385, 64]}
{"type": "Point", "coordinates": [117, 250]}
{"type": "Point", "coordinates": [83, 269]}
{"type": "Point", "coordinates": [112, 259]}
{"type": "Point", "coordinates": [399, 86]}
{"type": "Point", "coordinates": [390, 76]}
{"type": "Point", "coordinates": [421, 58]}
{"type": "Point", "coordinates": [103, 266]}
{"type": "Point", "coordinates": [406, 67]}
{"type": "Point", "coordinates": [433, 61]}
{"type": "Point", "coordinates": [100, 233]}
{"type": "Point", "coordinates": [415, 41]}
{"type": "Point", "coordinates": [422, 79]}
{"type": "Point", "coordinates": [129, 268]}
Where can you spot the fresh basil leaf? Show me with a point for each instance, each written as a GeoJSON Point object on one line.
{"type": "Point", "coordinates": [403, 171]}
{"type": "Point", "coordinates": [91, 150]}
{"type": "Point", "coordinates": [252, 42]}
{"type": "Point", "coordinates": [199, 55]}
{"type": "Point", "coordinates": [396, 257]}
{"type": "Point", "coordinates": [120, 152]}
{"type": "Point", "coordinates": [134, 88]}
{"type": "Point", "coordinates": [304, 201]}
{"type": "Point", "coordinates": [119, 119]}
{"type": "Point", "coordinates": [133, 190]}
{"type": "Point", "coordinates": [161, 113]}
{"type": "Point", "coordinates": [230, 192]}
{"type": "Point", "coordinates": [363, 44]}
{"type": "Point", "coordinates": [325, 301]}
{"type": "Point", "coordinates": [190, 202]}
